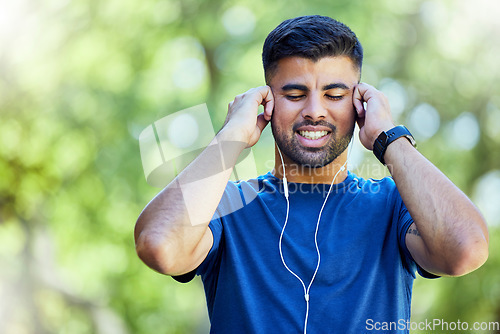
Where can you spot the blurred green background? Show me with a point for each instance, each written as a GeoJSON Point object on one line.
{"type": "Point", "coordinates": [80, 80]}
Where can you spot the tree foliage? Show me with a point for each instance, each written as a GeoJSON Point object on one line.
{"type": "Point", "coordinates": [80, 80]}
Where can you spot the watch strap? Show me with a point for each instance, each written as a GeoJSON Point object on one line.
{"type": "Point", "coordinates": [387, 137]}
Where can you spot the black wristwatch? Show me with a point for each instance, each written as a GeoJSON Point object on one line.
{"type": "Point", "coordinates": [387, 137]}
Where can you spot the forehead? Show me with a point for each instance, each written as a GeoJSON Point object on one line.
{"type": "Point", "coordinates": [324, 71]}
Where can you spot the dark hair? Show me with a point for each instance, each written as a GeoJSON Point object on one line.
{"type": "Point", "coordinates": [312, 37]}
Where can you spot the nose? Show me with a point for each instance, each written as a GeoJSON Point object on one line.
{"type": "Point", "coordinates": [313, 108]}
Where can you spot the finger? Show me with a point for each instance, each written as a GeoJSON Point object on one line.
{"type": "Point", "coordinates": [261, 122]}
{"type": "Point", "coordinates": [365, 91]}
{"type": "Point", "coordinates": [268, 110]}
{"type": "Point", "coordinates": [268, 102]}
{"type": "Point", "coordinates": [357, 101]}
{"type": "Point", "coordinates": [361, 122]}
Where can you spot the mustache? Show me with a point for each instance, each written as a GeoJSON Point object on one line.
{"type": "Point", "coordinates": [311, 123]}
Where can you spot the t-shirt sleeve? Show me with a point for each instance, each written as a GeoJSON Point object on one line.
{"type": "Point", "coordinates": [231, 201]}
{"type": "Point", "coordinates": [212, 256]}
{"type": "Point", "coordinates": [404, 222]}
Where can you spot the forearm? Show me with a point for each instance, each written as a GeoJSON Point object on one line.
{"type": "Point", "coordinates": [452, 229]}
{"type": "Point", "coordinates": [452, 237]}
{"type": "Point", "coordinates": [172, 231]}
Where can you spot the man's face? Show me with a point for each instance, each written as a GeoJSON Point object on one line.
{"type": "Point", "coordinates": [314, 117]}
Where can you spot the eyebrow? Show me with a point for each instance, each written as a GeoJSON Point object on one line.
{"type": "Point", "coordinates": [289, 87]}
{"type": "Point", "coordinates": [336, 86]}
{"type": "Point", "coordinates": [304, 88]}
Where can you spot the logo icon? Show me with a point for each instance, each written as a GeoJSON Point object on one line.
{"type": "Point", "coordinates": [171, 143]}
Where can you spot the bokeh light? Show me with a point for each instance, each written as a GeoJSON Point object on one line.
{"type": "Point", "coordinates": [464, 132]}
{"type": "Point", "coordinates": [424, 120]}
{"type": "Point", "coordinates": [487, 196]}
{"type": "Point", "coordinates": [396, 94]}
{"type": "Point", "coordinates": [183, 131]}
{"type": "Point", "coordinates": [238, 20]}
{"type": "Point", "coordinates": [189, 73]}
{"type": "Point", "coordinates": [80, 82]}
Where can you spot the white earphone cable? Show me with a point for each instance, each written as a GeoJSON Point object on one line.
{"type": "Point", "coordinates": [285, 189]}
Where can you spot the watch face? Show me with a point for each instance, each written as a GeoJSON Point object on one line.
{"type": "Point", "coordinates": [380, 142]}
{"type": "Point", "coordinates": [387, 137]}
{"type": "Point", "coordinates": [382, 138]}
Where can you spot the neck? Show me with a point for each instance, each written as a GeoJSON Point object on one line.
{"type": "Point", "coordinates": [303, 174]}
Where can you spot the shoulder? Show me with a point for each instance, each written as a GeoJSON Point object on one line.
{"type": "Point", "coordinates": [382, 192]}
{"type": "Point", "coordinates": [239, 194]}
{"type": "Point", "coordinates": [255, 185]}
{"type": "Point", "coordinates": [375, 187]}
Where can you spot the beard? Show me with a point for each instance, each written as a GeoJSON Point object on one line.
{"type": "Point", "coordinates": [313, 157]}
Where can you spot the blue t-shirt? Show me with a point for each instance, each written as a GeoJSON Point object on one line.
{"type": "Point", "coordinates": [366, 272]}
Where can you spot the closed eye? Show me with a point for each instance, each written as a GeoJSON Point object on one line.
{"type": "Point", "coordinates": [294, 97]}
{"type": "Point", "coordinates": [334, 97]}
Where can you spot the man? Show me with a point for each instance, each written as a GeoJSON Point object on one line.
{"type": "Point", "coordinates": [316, 248]}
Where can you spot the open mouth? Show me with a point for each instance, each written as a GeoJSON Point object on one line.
{"type": "Point", "coordinates": [313, 135]}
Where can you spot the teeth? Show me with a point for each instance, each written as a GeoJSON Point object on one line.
{"type": "Point", "coordinates": [313, 134]}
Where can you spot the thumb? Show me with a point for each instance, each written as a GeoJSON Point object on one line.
{"type": "Point", "coordinates": [261, 122]}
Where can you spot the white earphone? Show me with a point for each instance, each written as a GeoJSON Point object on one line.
{"type": "Point", "coordinates": [285, 190]}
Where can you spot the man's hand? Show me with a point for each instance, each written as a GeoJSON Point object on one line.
{"type": "Point", "coordinates": [242, 120]}
{"type": "Point", "coordinates": [375, 118]}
